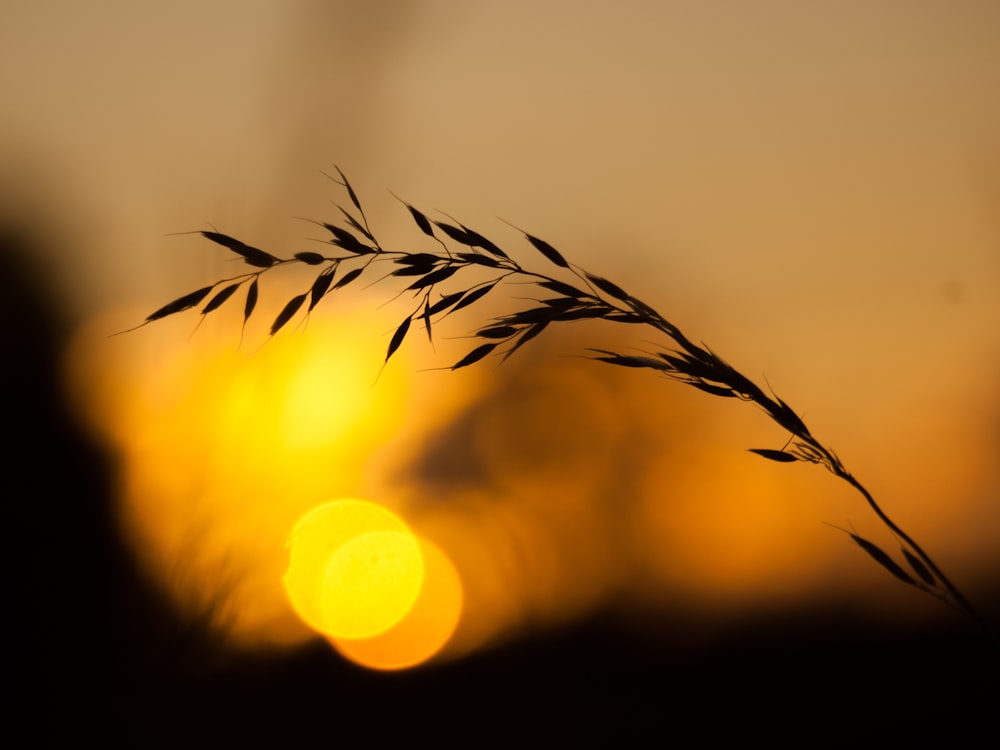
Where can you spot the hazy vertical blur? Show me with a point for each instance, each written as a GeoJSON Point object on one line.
{"type": "Point", "coordinates": [813, 189]}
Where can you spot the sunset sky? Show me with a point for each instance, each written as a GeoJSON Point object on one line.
{"type": "Point", "coordinates": [811, 188]}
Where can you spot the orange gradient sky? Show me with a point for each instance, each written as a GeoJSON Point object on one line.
{"type": "Point", "coordinates": [811, 188]}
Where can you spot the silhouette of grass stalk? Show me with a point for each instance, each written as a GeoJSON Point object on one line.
{"type": "Point", "coordinates": [585, 297]}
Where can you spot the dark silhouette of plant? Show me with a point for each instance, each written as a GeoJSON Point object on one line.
{"type": "Point", "coordinates": [585, 297]}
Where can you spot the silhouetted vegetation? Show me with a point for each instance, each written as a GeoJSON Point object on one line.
{"type": "Point", "coordinates": [440, 282]}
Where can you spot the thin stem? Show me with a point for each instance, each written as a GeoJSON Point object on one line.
{"type": "Point", "coordinates": [956, 595]}
{"type": "Point", "coordinates": [597, 298]}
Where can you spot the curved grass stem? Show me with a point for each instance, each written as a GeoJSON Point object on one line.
{"type": "Point", "coordinates": [581, 296]}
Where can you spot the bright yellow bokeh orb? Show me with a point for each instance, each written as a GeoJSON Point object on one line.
{"type": "Point", "coordinates": [383, 597]}
{"type": "Point", "coordinates": [369, 584]}
{"type": "Point", "coordinates": [425, 629]}
{"type": "Point", "coordinates": [355, 569]}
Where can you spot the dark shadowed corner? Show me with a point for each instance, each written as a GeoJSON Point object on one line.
{"type": "Point", "coordinates": [87, 628]}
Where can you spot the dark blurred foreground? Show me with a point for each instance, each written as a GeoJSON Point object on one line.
{"type": "Point", "coordinates": [99, 655]}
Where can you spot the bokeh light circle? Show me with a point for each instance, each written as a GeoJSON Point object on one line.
{"type": "Point", "coordinates": [427, 627]}
{"type": "Point", "coordinates": [384, 597]}
{"type": "Point", "coordinates": [369, 584]}
{"type": "Point", "coordinates": [355, 569]}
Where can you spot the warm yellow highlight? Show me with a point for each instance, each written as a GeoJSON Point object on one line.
{"type": "Point", "coordinates": [384, 597]}
{"type": "Point", "coordinates": [327, 397]}
{"type": "Point", "coordinates": [354, 569]}
{"type": "Point", "coordinates": [369, 584]}
{"type": "Point", "coordinates": [425, 629]}
{"type": "Point", "coordinates": [223, 447]}
{"type": "Point", "coordinates": [554, 486]}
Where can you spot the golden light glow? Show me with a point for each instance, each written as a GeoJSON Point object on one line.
{"type": "Point", "coordinates": [357, 575]}
{"type": "Point", "coordinates": [327, 396]}
{"type": "Point", "coordinates": [425, 629]}
{"type": "Point", "coordinates": [370, 583]}
{"type": "Point", "coordinates": [223, 450]}
{"type": "Point", "coordinates": [552, 485]}
{"type": "Point", "coordinates": [833, 240]}
{"type": "Point", "coordinates": [355, 569]}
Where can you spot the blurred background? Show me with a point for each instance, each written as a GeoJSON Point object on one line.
{"type": "Point", "coordinates": [812, 189]}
